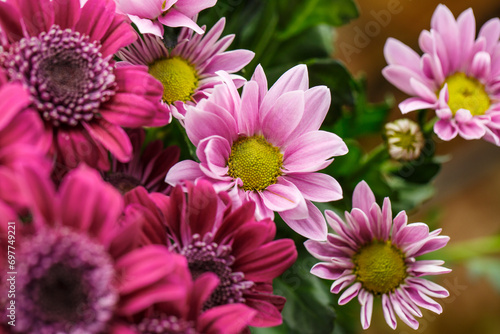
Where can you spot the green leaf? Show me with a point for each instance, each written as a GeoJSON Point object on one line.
{"type": "Point", "coordinates": [307, 14]}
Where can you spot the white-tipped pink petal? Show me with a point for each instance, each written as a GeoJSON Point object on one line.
{"type": "Point", "coordinates": [481, 65]}
{"type": "Point", "coordinates": [366, 300]}
{"type": "Point", "coordinates": [363, 197]}
{"type": "Point", "coordinates": [313, 227]}
{"type": "Point", "coordinates": [342, 283]}
{"type": "Point", "coordinates": [415, 103]}
{"type": "Point", "coordinates": [350, 293]}
{"type": "Point", "coordinates": [445, 129]}
{"type": "Point", "coordinates": [327, 270]}
{"type": "Point", "coordinates": [389, 315]}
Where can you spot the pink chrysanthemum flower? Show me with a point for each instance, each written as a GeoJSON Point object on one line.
{"type": "Point", "coordinates": [457, 76]}
{"type": "Point", "coordinates": [151, 15]}
{"type": "Point", "coordinates": [215, 237]}
{"type": "Point", "coordinates": [64, 59]}
{"type": "Point", "coordinates": [21, 142]}
{"type": "Point", "coordinates": [375, 257]}
{"type": "Point", "coordinates": [187, 71]}
{"type": "Point", "coordinates": [77, 270]}
{"type": "Point", "coordinates": [147, 168]}
{"type": "Point", "coordinates": [265, 147]}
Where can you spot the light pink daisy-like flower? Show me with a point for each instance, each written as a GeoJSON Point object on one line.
{"type": "Point", "coordinates": [150, 15]}
{"type": "Point", "coordinates": [188, 71]}
{"type": "Point", "coordinates": [215, 237]}
{"type": "Point", "coordinates": [265, 147]}
{"type": "Point", "coordinates": [374, 256]}
{"type": "Point", "coordinates": [64, 59]}
{"type": "Point", "coordinates": [77, 270]}
{"type": "Point", "coordinates": [458, 76]}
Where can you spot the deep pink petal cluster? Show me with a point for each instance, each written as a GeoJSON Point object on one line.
{"type": "Point", "coordinates": [368, 223]}
{"type": "Point", "coordinates": [83, 100]}
{"type": "Point", "coordinates": [206, 53]}
{"type": "Point", "coordinates": [450, 47]}
{"type": "Point", "coordinates": [215, 237]}
{"type": "Point", "coordinates": [288, 116]}
{"type": "Point", "coordinates": [150, 16]}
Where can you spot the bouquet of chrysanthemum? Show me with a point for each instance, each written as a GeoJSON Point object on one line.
{"type": "Point", "coordinates": [158, 175]}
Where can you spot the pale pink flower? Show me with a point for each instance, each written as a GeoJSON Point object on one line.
{"type": "Point", "coordinates": [373, 255]}
{"type": "Point", "coordinates": [151, 15]}
{"type": "Point", "coordinates": [266, 147]}
{"type": "Point", "coordinates": [187, 71]}
{"type": "Point", "coordinates": [458, 75]}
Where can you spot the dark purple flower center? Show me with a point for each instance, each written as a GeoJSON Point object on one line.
{"type": "Point", "coordinates": [64, 284]}
{"type": "Point", "coordinates": [65, 73]}
{"type": "Point", "coordinates": [123, 182]}
{"type": "Point", "coordinates": [207, 256]}
{"type": "Point", "coordinates": [163, 324]}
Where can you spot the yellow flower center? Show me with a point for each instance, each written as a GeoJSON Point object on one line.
{"type": "Point", "coordinates": [380, 267]}
{"type": "Point", "coordinates": [256, 162]}
{"type": "Point", "coordinates": [467, 93]}
{"type": "Point", "coordinates": [178, 76]}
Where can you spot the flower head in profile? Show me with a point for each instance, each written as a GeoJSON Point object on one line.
{"type": "Point", "coordinates": [147, 168]}
{"type": "Point", "coordinates": [457, 75]}
{"type": "Point", "coordinates": [77, 270]}
{"type": "Point", "coordinates": [404, 139]}
{"type": "Point", "coordinates": [150, 16]}
{"type": "Point", "coordinates": [266, 147]}
{"type": "Point", "coordinates": [64, 59]}
{"type": "Point", "coordinates": [373, 255]}
{"type": "Point", "coordinates": [215, 237]}
{"type": "Point", "coordinates": [187, 71]}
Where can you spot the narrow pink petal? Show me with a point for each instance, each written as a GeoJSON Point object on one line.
{"type": "Point", "coordinates": [193, 7]}
{"type": "Point", "coordinates": [366, 301]}
{"type": "Point", "coordinates": [38, 15]}
{"type": "Point", "coordinates": [429, 288]}
{"type": "Point", "coordinates": [400, 77]}
{"type": "Point", "coordinates": [341, 283]}
{"type": "Point", "coordinates": [67, 13]}
{"type": "Point", "coordinates": [363, 197]}
{"type": "Point", "coordinates": [327, 271]}
{"type": "Point", "coordinates": [281, 196]}
{"type": "Point", "coordinates": [386, 223]}
{"type": "Point", "coordinates": [411, 233]}
{"type": "Point", "coordinates": [95, 18]}
{"type": "Point", "coordinates": [423, 91]}
{"type": "Point", "coordinates": [248, 117]}
{"type": "Point", "coordinates": [397, 53]}
{"type": "Point", "coordinates": [490, 31]}
{"type": "Point", "coordinates": [295, 78]}
{"type": "Point", "coordinates": [481, 65]}
{"type": "Point", "coordinates": [313, 227]}
{"type": "Point", "coordinates": [308, 152]}
{"type": "Point", "coordinates": [444, 23]}
{"type": "Point", "coordinates": [112, 137]}
{"type": "Point", "coordinates": [187, 170]}
{"type": "Point", "coordinates": [445, 129]}
{"type": "Point", "coordinates": [402, 313]}
{"type": "Point", "coordinates": [283, 117]}
{"type": "Point", "coordinates": [389, 315]}
{"type": "Point", "coordinates": [415, 103]}
{"type": "Point", "coordinates": [316, 187]}
{"type": "Point", "coordinates": [423, 300]}
{"type": "Point", "coordinates": [321, 250]}
{"type": "Point", "coordinates": [174, 18]}
{"type": "Point", "coordinates": [119, 34]}
{"type": "Point", "coordinates": [229, 61]}
{"type": "Point", "coordinates": [260, 78]}
{"type": "Point", "coordinates": [431, 245]}
{"type": "Point", "coordinates": [146, 26]}
{"type": "Point", "coordinates": [467, 32]}
{"type": "Point", "coordinates": [350, 293]}
{"type": "Point", "coordinates": [317, 103]}
{"type": "Point", "coordinates": [400, 222]}
{"type": "Point", "coordinates": [201, 209]}
{"type": "Point", "coordinates": [268, 261]}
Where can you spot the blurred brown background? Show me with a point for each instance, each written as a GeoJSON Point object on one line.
{"type": "Point", "coordinates": [467, 202]}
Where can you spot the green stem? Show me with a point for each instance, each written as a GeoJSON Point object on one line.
{"type": "Point", "coordinates": [469, 249]}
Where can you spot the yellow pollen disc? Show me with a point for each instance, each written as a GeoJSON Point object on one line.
{"type": "Point", "coordinates": [178, 76]}
{"type": "Point", "coordinates": [256, 162]}
{"type": "Point", "coordinates": [380, 267]}
{"type": "Point", "coordinates": [467, 93]}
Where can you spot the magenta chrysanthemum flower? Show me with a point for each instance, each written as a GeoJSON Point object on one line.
{"type": "Point", "coordinates": [215, 237]}
{"type": "Point", "coordinates": [21, 142]}
{"type": "Point", "coordinates": [184, 315]}
{"type": "Point", "coordinates": [150, 15]}
{"type": "Point", "coordinates": [457, 76]}
{"type": "Point", "coordinates": [375, 257]}
{"type": "Point", "coordinates": [147, 168]}
{"type": "Point", "coordinates": [77, 270]}
{"type": "Point", "coordinates": [265, 147]}
{"type": "Point", "coordinates": [187, 72]}
{"type": "Point", "coordinates": [64, 59]}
